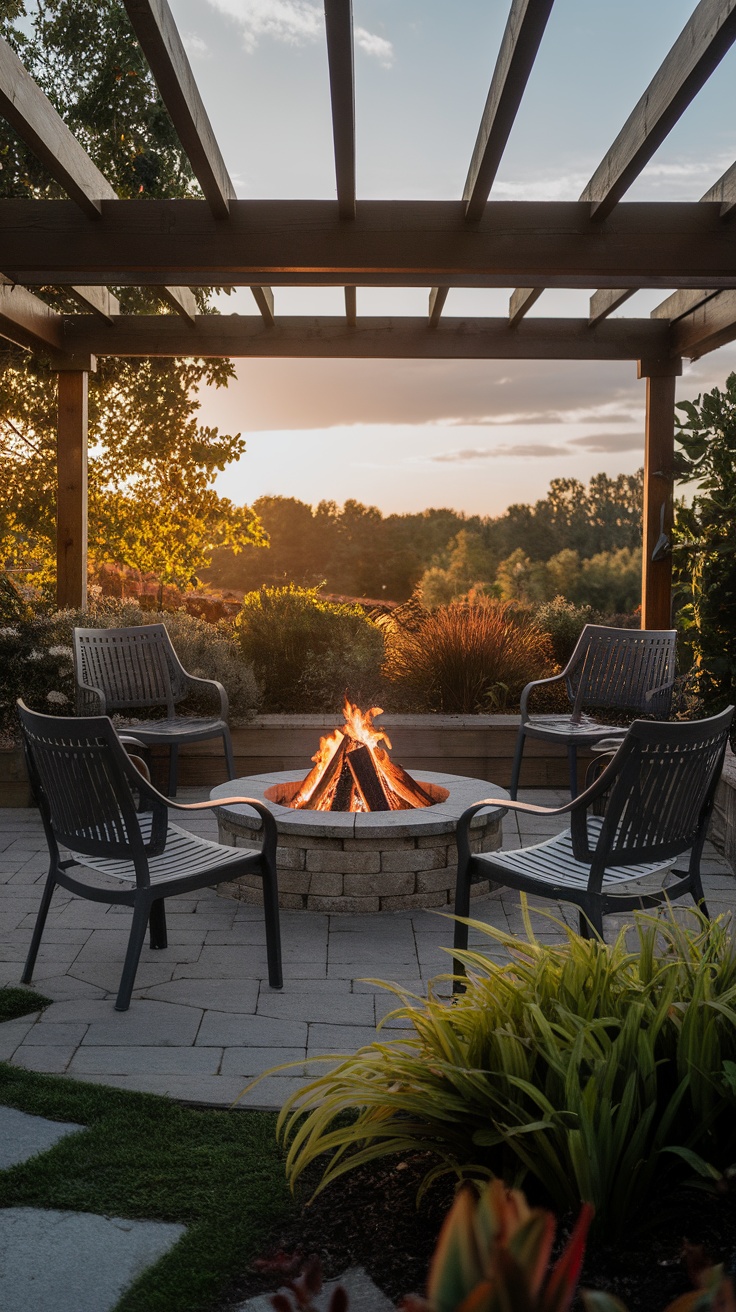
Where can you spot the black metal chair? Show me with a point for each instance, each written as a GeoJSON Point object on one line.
{"type": "Point", "coordinates": [629, 670]}
{"type": "Point", "coordinates": [95, 803]}
{"type": "Point", "coordinates": [128, 669]}
{"type": "Point", "coordinates": [660, 787]}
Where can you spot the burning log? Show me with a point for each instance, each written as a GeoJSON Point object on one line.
{"type": "Point", "coordinates": [353, 771]}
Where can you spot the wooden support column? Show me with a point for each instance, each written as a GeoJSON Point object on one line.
{"type": "Point", "coordinates": [656, 579]}
{"type": "Point", "coordinates": [71, 501]}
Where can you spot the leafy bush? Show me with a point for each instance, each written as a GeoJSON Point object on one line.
{"type": "Point", "coordinates": [564, 622]}
{"type": "Point", "coordinates": [306, 651]}
{"type": "Point", "coordinates": [36, 655]}
{"type": "Point", "coordinates": [462, 659]}
{"type": "Point", "coordinates": [704, 546]}
{"type": "Point", "coordinates": [597, 1072]}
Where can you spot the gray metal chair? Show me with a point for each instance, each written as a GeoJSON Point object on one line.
{"type": "Point", "coordinates": [95, 803]}
{"type": "Point", "coordinates": [629, 670]}
{"type": "Point", "coordinates": [660, 786]}
{"type": "Point", "coordinates": [129, 669]}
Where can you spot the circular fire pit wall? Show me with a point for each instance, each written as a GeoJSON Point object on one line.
{"type": "Point", "coordinates": [361, 861]}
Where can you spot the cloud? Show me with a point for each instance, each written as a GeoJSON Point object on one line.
{"type": "Point", "coordinates": [293, 22]}
{"type": "Point", "coordinates": [374, 45]}
{"type": "Point", "coordinates": [195, 45]}
{"type": "Point", "coordinates": [520, 451]}
{"type": "Point", "coordinates": [607, 413]}
{"type": "Point", "coordinates": [604, 442]}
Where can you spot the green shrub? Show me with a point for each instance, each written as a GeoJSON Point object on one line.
{"type": "Point", "coordinates": [462, 659]}
{"type": "Point", "coordinates": [307, 652]}
{"type": "Point", "coordinates": [597, 1072]}
{"type": "Point", "coordinates": [564, 622]}
{"type": "Point", "coordinates": [36, 655]}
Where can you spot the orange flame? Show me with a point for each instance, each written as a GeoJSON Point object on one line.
{"type": "Point", "coordinates": [337, 782]}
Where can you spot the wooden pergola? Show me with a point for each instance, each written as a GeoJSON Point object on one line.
{"type": "Point", "coordinates": [93, 241]}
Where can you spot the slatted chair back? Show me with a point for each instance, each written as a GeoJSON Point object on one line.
{"type": "Point", "coordinates": [664, 782]}
{"type": "Point", "coordinates": [625, 669]}
{"type": "Point", "coordinates": [133, 667]}
{"type": "Point", "coordinates": [80, 773]}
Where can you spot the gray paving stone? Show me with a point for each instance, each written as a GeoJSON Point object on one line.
{"type": "Point", "coordinates": [339, 1038]}
{"type": "Point", "coordinates": [106, 975]}
{"type": "Point", "coordinates": [224, 963]}
{"type": "Point", "coordinates": [89, 1060]}
{"type": "Point", "coordinates": [343, 1009]}
{"type": "Point", "coordinates": [147, 1022]}
{"type": "Point", "coordinates": [12, 1034]}
{"type": "Point", "coordinates": [249, 1062]}
{"type": "Point", "coordinates": [74, 1262]}
{"type": "Point", "coordinates": [23, 1136]}
{"type": "Point", "coordinates": [238, 995]}
{"type": "Point", "coordinates": [50, 1060]}
{"type": "Point", "coordinates": [225, 1030]}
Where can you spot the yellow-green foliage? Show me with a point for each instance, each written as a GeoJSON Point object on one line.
{"type": "Point", "coordinates": [306, 651]}
{"type": "Point", "coordinates": [595, 1070]}
{"type": "Point", "coordinates": [461, 659]}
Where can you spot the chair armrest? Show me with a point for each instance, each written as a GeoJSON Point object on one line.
{"type": "Point", "coordinates": [90, 701]}
{"type": "Point", "coordinates": [270, 833]}
{"type": "Point", "coordinates": [195, 684]}
{"type": "Point", "coordinates": [536, 683]}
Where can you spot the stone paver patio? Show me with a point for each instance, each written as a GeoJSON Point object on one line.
{"type": "Point", "coordinates": [203, 1020]}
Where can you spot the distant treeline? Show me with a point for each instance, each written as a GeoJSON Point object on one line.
{"type": "Point", "coordinates": [356, 551]}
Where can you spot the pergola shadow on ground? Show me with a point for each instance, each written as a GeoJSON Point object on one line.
{"type": "Point", "coordinates": [93, 241]}
{"type": "Point", "coordinates": [203, 1021]}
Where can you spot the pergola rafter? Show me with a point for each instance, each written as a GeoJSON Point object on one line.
{"type": "Point", "coordinates": [95, 240]}
{"type": "Point", "coordinates": [706, 37]}
{"type": "Point", "coordinates": [519, 45]}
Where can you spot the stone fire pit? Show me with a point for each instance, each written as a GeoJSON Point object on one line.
{"type": "Point", "coordinates": [361, 861]}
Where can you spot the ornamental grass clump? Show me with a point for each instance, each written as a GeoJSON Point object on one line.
{"type": "Point", "coordinates": [466, 658]}
{"type": "Point", "coordinates": [593, 1073]}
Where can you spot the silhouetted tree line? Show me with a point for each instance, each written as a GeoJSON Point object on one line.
{"type": "Point", "coordinates": [357, 551]}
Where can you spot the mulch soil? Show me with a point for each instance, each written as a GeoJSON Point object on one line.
{"type": "Point", "coordinates": [370, 1218]}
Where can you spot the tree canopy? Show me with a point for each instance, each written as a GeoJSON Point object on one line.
{"type": "Point", "coordinates": [152, 463]}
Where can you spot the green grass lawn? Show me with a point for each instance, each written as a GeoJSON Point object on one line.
{"type": "Point", "coordinates": [20, 1002]}
{"type": "Point", "coordinates": [217, 1172]}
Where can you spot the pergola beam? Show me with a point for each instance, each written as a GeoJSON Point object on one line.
{"type": "Point", "coordinates": [154, 26]}
{"type": "Point", "coordinates": [521, 301]}
{"type": "Point", "coordinates": [682, 302]}
{"type": "Point", "coordinates": [371, 338]}
{"type": "Point", "coordinates": [710, 325]}
{"type": "Point", "coordinates": [521, 40]}
{"type": "Point", "coordinates": [390, 243]}
{"type": "Point", "coordinates": [27, 321]}
{"type": "Point", "coordinates": [604, 302]}
{"type": "Point", "coordinates": [31, 114]}
{"type": "Point", "coordinates": [98, 299]}
{"type": "Point", "coordinates": [708, 34]}
{"type": "Point", "coordinates": [180, 300]}
{"type": "Point", "coordinates": [724, 192]}
{"type": "Point", "coordinates": [339, 29]}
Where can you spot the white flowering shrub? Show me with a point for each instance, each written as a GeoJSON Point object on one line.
{"type": "Point", "coordinates": [37, 659]}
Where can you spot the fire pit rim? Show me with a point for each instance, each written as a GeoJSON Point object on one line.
{"type": "Point", "coordinates": [438, 819]}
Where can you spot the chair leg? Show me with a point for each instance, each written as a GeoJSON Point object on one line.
{"type": "Point", "coordinates": [572, 761]}
{"type": "Point", "coordinates": [462, 908]}
{"type": "Point", "coordinates": [591, 923]}
{"type": "Point", "coordinates": [698, 894]}
{"type": "Point", "coordinates": [173, 768]}
{"type": "Point", "coordinates": [157, 925]}
{"type": "Point", "coordinates": [141, 913]}
{"type": "Point", "coordinates": [516, 767]}
{"type": "Point", "coordinates": [227, 743]}
{"type": "Point", "coordinates": [38, 928]}
{"type": "Point", "coordinates": [273, 930]}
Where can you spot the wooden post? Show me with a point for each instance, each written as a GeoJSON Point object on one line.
{"type": "Point", "coordinates": [656, 575]}
{"type": "Point", "coordinates": [71, 501]}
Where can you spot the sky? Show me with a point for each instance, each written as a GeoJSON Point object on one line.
{"type": "Point", "coordinates": [474, 435]}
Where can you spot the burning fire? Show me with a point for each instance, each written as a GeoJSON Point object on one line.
{"type": "Point", "coordinates": [353, 771]}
